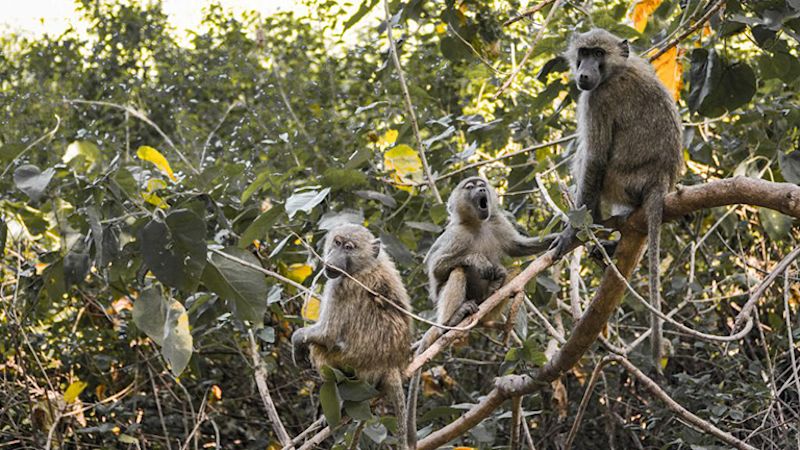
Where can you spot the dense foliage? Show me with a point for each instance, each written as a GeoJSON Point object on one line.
{"type": "Point", "coordinates": [135, 160]}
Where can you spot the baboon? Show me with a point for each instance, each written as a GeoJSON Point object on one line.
{"type": "Point", "coordinates": [629, 144]}
{"type": "Point", "coordinates": [465, 263]}
{"type": "Point", "coordinates": [357, 328]}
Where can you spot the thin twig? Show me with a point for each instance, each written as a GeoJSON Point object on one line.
{"type": "Point", "coordinates": [587, 394]}
{"type": "Point", "coordinates": [267, 272]}
{"type": "Point", "coordinates": [747, 309]}
{"type": "Point", "coordinates": [690, 331]}
{"type": "Point", "coordinates": [143, 117]}
{"type": "Point", "coordinates": [311, 428]}
{"type": "Point", "coordinates": [713, 9]}
{"type": "Point", "coordinates": [683, 413]}
{"type": "Point", "coordinates": [263, 389]}
{"type": "Point", "coordinates": [788, 319]}
{"type": "Point", "coordinates": [409, 106]}
{"type": "Point", "coordinates": [532, 47]}
{"type": "Point", "coordinates": [529, 12]}
{"type": "Point", "coordinates": [33, 144]}
{"type": "Point", "coordinates": [216, 128]}
{"type": "Point", "coordinates": [508, 155]}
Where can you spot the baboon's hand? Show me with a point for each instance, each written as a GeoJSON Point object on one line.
{"type": "Point", "coordinates": [563, 242]}
{"type": "Point", "coordinates": [298, 344]}
{"type": "Point", "coordinates": [466, 309]}
{"type": "Point", "coordinates": [493, 273]}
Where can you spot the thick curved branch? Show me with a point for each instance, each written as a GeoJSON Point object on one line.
{"type": "Point", "coordinates": [783, 197]}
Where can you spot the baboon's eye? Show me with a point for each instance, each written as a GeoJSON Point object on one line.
{"type": "Point", "coordinates": [468, 186]}
{"type": "Point", "coordinates": [349, 246]}
{"type": "Point", "coordinates": [599, 53]}
{"type": "Point", "coordinates": [337, 242]}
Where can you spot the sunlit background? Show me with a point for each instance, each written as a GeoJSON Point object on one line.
{"type": "Point", "coordinates": [37, 17]}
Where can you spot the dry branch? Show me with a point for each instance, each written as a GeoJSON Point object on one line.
{"type": "Point", "coordinates": [783, 197]}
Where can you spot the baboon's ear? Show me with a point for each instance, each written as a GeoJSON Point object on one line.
{"type": "Point", "coordinates": [624, 48]}
{"type": "Point", "coordinates": [376, 247]}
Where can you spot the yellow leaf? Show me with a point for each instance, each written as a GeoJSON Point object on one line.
{"type": "Point", "coordinates": [315, 109]}
{"type": "Point", "coordinates": [298, 272]}
{"type": "Point", "coordinates": [403, 160]}
{"type": "Point", "coordinates": [216, 393]}
{"type": "Point", "coordinates": [642, 10]}
{"type": "Point", "coordinates": [388, 138]}
{"type": "Point", "coordinates": [155, 200]}
{"type": "Point", "coordinates": [74, 390]}
{"type": "Point", "coordinates": [464, 448]}
{"type": "Point", "coordinates": [441, 28]}
{"type": "Point", "coordinates": [310, 309]}
{"type": "Point", "coordinates": [152, 155]}
{"type": "Point", "coordinates": [154, 184]}
{"type": "Point", "coordinates": [669, 69]}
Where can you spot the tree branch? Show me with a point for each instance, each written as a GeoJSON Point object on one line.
{"type": "Point", "coordinates": [783, 197]}
{"type": "Point", "coordinates": [263, 389]}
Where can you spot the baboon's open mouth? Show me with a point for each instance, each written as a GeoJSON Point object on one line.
{"type": "Point", "coordinates": [483, 202]}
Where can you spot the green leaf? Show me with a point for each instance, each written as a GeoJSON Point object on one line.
{"type": "Point", "coordinates": [718, 87]}
{"type": "Point", "coordinates": [453, 49]}
{"type": "Point", "coordinates": [53, 277]}
{"type": "Point", "coordinates": [177, 348]}
{"type": "Point", "coordinates": [85, 149]}
{"type": "Point", "coordinates": [127, 439]}
{"type": "Point", "coordinates": [387, 200]}
{"type": "Point", "coordinates": [790, 166]}
{"type": "Point", "coordinates": [579, 218]}
{"type": "Point", "coordinates": [32, 181]}
{"type": "Point", "coordinates": [258, 228]}
{"type": "Point", "coordinates": [261, 179]}
{"type": "Point", "coordinates": [342, 179]}
{"type": "Point", "coordinates": [358, 410]}
{"type": "Point", "coordinates": [377, 432]}
{"type": "Point", "coordinates": [366, 6]}
{"type": "Point", "coordinates": [244, 288]}
{"type": "Point", "coordinates": [357, 391]}
{"type": "Point", "coordinates": [305, 201]}
{"type": "Point", "coordinates": [329, 399]}
{"type": "Point", "coordinates": [175, 251]}
{"type": "Point", "coordinates": [267, 334]}
{"type": "Point", "coordinates": [776, 225]}
{"type": "Point", "coordinates": [150, 314]}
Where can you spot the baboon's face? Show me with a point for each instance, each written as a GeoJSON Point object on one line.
{"type": "Point", "coordinates": [350, 248]}
{"type": "Point", "coordinates": [591, 68]}
{"type": "Point", "coordinates": [597, 59]}
{"type": "Point", "coordinates": [474, 199]}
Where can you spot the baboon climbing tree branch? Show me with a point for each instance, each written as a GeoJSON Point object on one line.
{"type": "Point", "coordinates": [783, 197]}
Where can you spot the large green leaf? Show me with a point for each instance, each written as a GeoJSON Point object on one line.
{"type": "Point", "coordinates": [260, 226]}
{"type": "Point", "coordinates": [305, 201]}
{"type": "Point", "coordinates": [150, 313]}
{"type": "Point", "coordinates": [718, 87]}
{"type": "Point", "coordinates": [776, 225]}
{"type": "Point", "coordinates": [32, 181]}
{"type": "Point", "coordinates": [175, 250]}
{"type": "Point", "coordinates": [244, 288]}
{"type": "Point", "coordinates": [177, 345]}
{"type": "Point", "coordinates": [331, 403]}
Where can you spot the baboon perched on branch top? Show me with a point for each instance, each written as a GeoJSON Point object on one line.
{"type": "Point", "coordinates": [629, 143]}
{"type": "Point", "coordinates": [357, 328]}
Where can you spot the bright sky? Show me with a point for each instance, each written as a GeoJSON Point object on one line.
{"type": "Point", "coordinates": [36, 17]}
